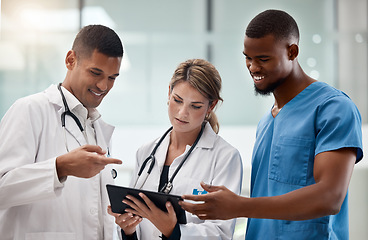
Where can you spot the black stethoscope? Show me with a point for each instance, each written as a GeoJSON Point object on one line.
{"type": "Point", "coordinates": [76, 120]}
{"type": "Point", "coordinates": [169, 185]}
{"type": "Point", "coordinates": [68, 112]}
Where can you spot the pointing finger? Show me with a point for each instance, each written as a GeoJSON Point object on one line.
{"type": "Point", "coordinates": [105, 160]}
{"type": "Point", "coordinates": [112, 161]}
{"type": "Point", "coordinates": [195, 197]}
{"type": "Point", "coordinates": [210, 188]}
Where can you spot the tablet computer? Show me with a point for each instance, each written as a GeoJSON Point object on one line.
{"type": "Point", "coordinates": [118, 193]}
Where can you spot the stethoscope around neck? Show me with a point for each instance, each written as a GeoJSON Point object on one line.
{"type": "Point", "coordinates": [169, 185]}
{"type": "Point", "coordinates": [68, 112]}
{"type": "Point", "coordinates": [79, 124]}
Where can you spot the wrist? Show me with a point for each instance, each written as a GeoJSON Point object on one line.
{"type": "Point", "coordinates": [60, 171]}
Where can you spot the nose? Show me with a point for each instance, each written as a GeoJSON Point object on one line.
{"type": "Point", "coordinates": [102, 85]}
{"type": "Point", "coordinates": [183, 111]}
{"type": "Point", "coordinates": [253, 66]}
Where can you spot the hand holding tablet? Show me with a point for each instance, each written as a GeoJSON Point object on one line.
{"type": "Point", "coordinates": [117, 194]}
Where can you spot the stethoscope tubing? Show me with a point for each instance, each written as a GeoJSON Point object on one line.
{"type": "Point", "coordinates": [68, 112]}
{"type": "Point", "coordinates": [168, 186]}
{"type": "Point", "coordinates": [75, 118]}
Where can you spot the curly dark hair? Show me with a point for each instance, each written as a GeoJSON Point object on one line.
{"type": "Point", "coordinates": [276, 22]}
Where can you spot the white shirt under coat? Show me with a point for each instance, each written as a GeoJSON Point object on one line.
{"type": "Point", "coordinates": [34, 204]}
{"type": "Point", "coordinates": [213, 161]}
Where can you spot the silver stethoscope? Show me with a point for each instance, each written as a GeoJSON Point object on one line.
{"type": "Point", "coordinates": [79, 124]}
{"type": "Point", "coordinates": [169, 185]}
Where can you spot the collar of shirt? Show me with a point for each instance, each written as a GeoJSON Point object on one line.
{"type": "Point", "coordinates": [78, 109]}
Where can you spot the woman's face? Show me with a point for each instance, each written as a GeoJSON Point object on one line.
{"type": "Point", "coordinates": [187, 107]}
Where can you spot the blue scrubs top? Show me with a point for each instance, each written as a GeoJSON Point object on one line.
{"type": "Point", "coordinates": [320, 118]}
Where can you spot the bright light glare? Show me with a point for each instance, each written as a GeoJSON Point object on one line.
{"type": "Point", "coordinates": [49, 20]}
{"type": "Point", "coordinates": [64, 19]}
{"type": "Point", "coordinates": [312, 62]}
{"type": "Point", "coordinates": [317, 38]}
{"type": "Point", "coordinates": [359, 38]}
{"type": "Point", "coordinates": [315, 74]}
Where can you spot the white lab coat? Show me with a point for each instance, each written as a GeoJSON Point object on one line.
{"type": "Point", "coordinates": [33, 203]}
{"type": "Point", "coordinates": [213, 161]}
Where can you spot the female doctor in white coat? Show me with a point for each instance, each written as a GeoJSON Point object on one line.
{"type": "Point", "coordinates": [194, 92]}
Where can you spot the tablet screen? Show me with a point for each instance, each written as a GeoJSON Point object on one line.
{"type": "Point", "coordinates": [118, 193]}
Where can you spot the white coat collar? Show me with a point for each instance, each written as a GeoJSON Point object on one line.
{"type": "Point", "coordinates": [206, 141]}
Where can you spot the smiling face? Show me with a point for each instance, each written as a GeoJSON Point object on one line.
{"type": "Point", "coordinates": [268, 62]}
{"type": "Point", "coordinates": [187, 107]}
{"type": "Point", "coordinates": [90, 79]}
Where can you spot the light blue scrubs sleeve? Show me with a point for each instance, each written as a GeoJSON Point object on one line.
{"type": "Point", "coordinates": [338, 126]}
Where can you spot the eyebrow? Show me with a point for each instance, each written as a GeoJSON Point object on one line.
{"type": "Point", "coordinates": [176, 95]}
{"type": "Point", "coordinates": [99, 70]}
{"type": "Point", "coordinates": [259, 56]}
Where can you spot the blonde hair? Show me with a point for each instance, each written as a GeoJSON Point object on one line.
{"type": "Point", "coordinates": [204, 77]}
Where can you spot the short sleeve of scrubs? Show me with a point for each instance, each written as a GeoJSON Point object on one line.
{"type": "Point", "coordinates": [338, 126]}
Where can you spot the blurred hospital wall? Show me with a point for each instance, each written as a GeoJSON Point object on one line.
{"type": "Point", "coordinates": [35, 36]}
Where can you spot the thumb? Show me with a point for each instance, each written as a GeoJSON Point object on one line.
{"type": "Point", "coordinates": [170, 209]}
{"type": "Point", "coordinates": [210, 188]}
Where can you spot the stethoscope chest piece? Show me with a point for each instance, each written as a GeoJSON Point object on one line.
{"type": "Point", "coordinates": [114, 173]}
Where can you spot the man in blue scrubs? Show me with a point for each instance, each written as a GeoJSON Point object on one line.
{"type": "Point", "coordinates": [305, 150]}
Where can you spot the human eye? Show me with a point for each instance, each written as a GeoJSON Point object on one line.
{"type": "Point", "coordinates": [177, 100]}
{"type": "Point", "coordinates": [196, 107]}
{"type": "Point", "coordinates": [264, 59]}
{"type": "Point", "coordinates": [95, 73]}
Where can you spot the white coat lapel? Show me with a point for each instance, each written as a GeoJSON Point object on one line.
{"type": "Point", "coordinates": [103, 134]}
{"type": "Point", "coordinates": [73, 129]}
{"type": "Point", "coordinates": [71, 126]}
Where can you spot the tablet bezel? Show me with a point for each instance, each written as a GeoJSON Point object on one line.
{"type": "Point", "coordinates": [118, 193]}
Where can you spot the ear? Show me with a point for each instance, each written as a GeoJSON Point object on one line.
{"type": "Point", "coordinates": [70, 60]}
{"type": "Point", "coordinates": [212, 106]}
{"type": "Point", "coordinates": [169, 92]}
{"type": "Point", "coordinates": [293, 51]}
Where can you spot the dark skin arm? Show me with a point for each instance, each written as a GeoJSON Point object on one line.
{"type": "Point", "coordinates": [332, 173]}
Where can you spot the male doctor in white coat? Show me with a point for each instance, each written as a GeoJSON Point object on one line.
{"type": "Point", "coordinates": [52, 179]}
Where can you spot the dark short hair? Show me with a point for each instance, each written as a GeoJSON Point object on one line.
{"type": "Point", "coordinates": [276, 22]}
{"type": "Point", "coordinates": [100, 38]}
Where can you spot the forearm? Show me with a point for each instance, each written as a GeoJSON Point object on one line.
{"type": "Point", "coordinates": [28, 183]}
{"type": "Point", "coordinates": [309, 202]}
